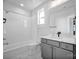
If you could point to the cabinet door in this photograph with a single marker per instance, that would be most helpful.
(54, 53)
(46, 51)
(63, 54)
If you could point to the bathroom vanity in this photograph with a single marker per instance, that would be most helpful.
(54, 48)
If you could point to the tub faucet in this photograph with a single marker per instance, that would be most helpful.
(5, 43)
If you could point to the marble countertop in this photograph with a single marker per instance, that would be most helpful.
(62, 38)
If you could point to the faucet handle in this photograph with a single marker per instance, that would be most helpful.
(4, 38)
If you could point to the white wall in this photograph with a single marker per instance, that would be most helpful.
(17, 28)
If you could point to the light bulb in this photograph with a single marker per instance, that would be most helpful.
(21, 4)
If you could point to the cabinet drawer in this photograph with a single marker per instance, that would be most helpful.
(66, 46)
(54, 43)
(43, 40)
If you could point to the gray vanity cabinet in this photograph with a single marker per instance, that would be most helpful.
(63, 54)
(56, 50)
(46, 51)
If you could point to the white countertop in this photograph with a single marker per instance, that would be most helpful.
(62, 38)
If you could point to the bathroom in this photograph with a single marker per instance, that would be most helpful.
(39, 29)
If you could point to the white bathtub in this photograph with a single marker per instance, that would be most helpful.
(22, 51)
(10, 47)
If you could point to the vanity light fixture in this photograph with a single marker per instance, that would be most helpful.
(56, 3)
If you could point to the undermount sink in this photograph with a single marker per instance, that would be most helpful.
(55, 36)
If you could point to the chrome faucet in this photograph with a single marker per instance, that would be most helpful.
(58, 34)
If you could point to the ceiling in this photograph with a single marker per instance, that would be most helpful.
(28, 4)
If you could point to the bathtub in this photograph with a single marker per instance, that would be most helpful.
(22, 51)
